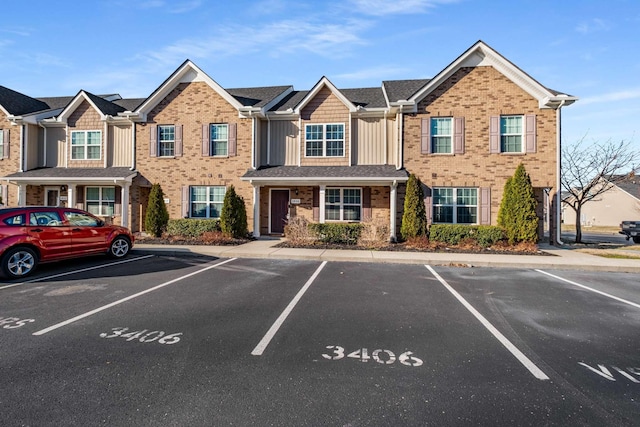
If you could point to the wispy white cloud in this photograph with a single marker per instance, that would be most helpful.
(622, 95)
(18, 31)
(593, 26)
(374, 73)
(325, 39)
(387, 7)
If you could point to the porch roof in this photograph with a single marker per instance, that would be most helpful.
(71, 175)
(301, 175)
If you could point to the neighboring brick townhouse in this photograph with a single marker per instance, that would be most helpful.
(326, 154)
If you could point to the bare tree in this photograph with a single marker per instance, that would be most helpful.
(588, 171)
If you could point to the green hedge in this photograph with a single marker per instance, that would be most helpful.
(452, 234)
(191, 227)
(339, 233)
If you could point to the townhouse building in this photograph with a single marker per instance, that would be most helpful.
(326, 154)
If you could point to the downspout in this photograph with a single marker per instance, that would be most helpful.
(299, 140)
(66, 146)
(133, 144)
(386, 137)
(253, 139)
(268, 140)
(106, 139)
(44, 163)
(22, 147)
(350, 139)
(400, 138)
(558, 173)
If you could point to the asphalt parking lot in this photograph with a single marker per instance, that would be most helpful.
(202, 341)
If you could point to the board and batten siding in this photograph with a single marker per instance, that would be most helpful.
(371, 146)
(119, 145)
(284, 144)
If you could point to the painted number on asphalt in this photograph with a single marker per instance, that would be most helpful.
(13, 322)
(144, 335)
(384, 357)
(629, 374)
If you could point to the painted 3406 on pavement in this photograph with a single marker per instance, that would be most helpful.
(37, 234)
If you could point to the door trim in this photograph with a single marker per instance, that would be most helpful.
(46, 191)
(270, 198)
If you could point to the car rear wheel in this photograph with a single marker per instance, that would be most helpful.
(120, 247)
(636, 239)
(19, 262)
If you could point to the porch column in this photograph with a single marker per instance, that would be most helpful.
(71, 191)
(22, 195)
(393, 200)
(256, 211)
(322, 203)
(124, 200)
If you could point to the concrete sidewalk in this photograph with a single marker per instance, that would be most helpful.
(561, 258)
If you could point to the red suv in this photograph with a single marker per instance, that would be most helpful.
(31, 235)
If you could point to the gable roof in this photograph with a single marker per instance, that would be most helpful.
(185, 73)
(322, 83)
(101, 105)
(481, 54)
(15, 103)
(399, 90)
(259, 97)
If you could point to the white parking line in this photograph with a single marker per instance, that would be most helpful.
(633, 304)
(97, 310)
(537, 372)
(264, 342)
(40, 279)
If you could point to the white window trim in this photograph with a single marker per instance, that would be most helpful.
(208, 202)
(159, 148)
(450, 135)
(521, 134)
(342, 204)
(325, 140)
(101, 200)
(85, 145)
(211, 140)
(454, 205)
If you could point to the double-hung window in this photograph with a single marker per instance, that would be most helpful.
(166, 140)
(206, 202)
(455, 205)
(219, 137)
(324, 140)
(86, 144)
(100, 200)
(343, 204)
(441, 135)
(511, 134)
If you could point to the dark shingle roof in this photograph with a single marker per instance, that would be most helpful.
(257, 96)
(56, 102)
(630, 184)
(106, 107)
(17, 104)
(398, 90)
(290, 101)
(346, 172)
(129, 104)
(62, 173)
(369, 97)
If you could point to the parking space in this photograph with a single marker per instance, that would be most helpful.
(174, 341)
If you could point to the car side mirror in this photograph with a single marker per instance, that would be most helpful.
(100, 223)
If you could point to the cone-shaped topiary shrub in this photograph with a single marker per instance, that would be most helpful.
(517, 213)
(414, 217)
(233, 218)
(157, 217)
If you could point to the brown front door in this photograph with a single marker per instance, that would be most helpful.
(279, 210)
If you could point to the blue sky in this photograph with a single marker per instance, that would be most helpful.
(585, 48)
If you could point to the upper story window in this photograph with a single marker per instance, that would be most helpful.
(166, 140)
(343, 204)
(441, 135)
(206, 202)
(86, 144)
(511, 134)
(100, 200)
(219, 137)
(455, 205)
(324, 140)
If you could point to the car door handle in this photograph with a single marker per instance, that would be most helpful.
(76, 229)
(37, 230)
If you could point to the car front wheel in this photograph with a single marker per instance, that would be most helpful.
(120, 247)
(636, 239)
(19, 262)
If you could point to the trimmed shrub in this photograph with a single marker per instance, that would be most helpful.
(191, 227)
(233, 218)
(414, 217)
(517, 213)
(374, 233)
(453, 234)
(297, 230)
(338, 233)
(157, 216)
